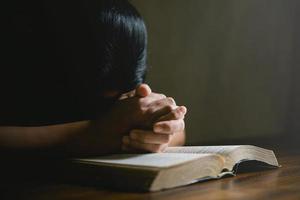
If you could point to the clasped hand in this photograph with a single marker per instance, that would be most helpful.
(156, 121)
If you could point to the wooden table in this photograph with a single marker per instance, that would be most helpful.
(283, 183)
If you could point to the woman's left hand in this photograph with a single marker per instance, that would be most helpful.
(168, 130)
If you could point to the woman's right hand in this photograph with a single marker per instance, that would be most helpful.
(137, 109)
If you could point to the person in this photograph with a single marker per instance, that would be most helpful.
(74, 82)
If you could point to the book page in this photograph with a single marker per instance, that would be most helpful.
(232, 154)
(157, 160)
(223, 150)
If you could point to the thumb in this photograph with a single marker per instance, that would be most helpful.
(143, 90)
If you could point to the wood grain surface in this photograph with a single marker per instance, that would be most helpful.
(282, 183)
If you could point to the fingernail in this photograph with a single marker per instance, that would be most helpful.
(157, 128)
(183, 109)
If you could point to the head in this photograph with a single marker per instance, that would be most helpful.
(121, 46)
(105, 46)
(109, 47)
(85, 49)
(67, 59)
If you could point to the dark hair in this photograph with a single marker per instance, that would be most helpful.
(105, 48)
(123, 45)
(107, 42)
(61, 55)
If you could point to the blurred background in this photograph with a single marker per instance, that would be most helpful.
(234, 64)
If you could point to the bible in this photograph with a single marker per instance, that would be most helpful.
(176, 166)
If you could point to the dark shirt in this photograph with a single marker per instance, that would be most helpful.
(39, 78)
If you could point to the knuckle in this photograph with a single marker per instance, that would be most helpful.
(171, 100)
(162, 96)
(169, 108)
(135, 136)
(167, 127)
(158, 102)
(176, 114)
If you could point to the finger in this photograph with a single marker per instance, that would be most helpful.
(149, 137)
(135, 145)
(161, 107)
(147, 101)
(144, 146)
(143, 90)
(127, 95)
(164, 102)
(175, 114)
(154, 97)
(125, 147)
(169, 127)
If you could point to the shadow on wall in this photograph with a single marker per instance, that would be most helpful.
(234, 64)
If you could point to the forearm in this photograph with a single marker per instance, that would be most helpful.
(76, 138)
(17, 137)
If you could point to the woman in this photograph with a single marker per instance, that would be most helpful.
(74, 78)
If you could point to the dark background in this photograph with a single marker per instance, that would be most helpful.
(234, 64)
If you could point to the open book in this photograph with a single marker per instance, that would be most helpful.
(176, 166)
